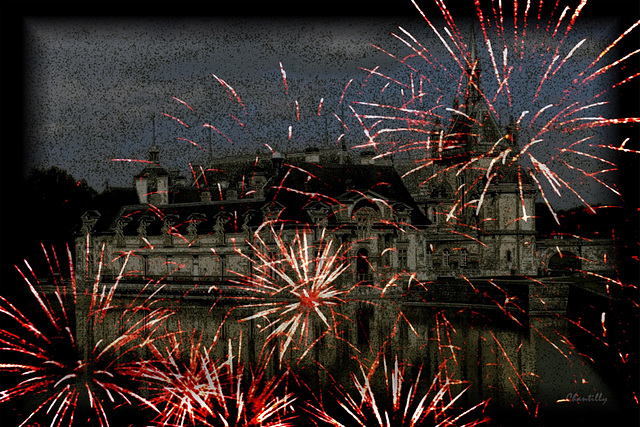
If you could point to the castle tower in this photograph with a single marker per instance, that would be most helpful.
(152, 183)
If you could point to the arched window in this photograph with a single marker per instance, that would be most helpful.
(152, 184)
(564, 262)
(508, 256)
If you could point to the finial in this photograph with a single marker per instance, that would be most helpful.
(154, 150)
(473, 54)
(210, 146)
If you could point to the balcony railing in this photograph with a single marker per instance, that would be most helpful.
(181, 279)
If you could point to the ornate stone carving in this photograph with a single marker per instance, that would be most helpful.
(364, 221)
(246, 230)
(218, 230)
(167, 230)
(118, 228)
(192, 232)
(89, 219)
(145, 220)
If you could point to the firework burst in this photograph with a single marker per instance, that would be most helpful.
(299, 282)
(196, 389)
(66, 386)
(402, 401)
(538, 81)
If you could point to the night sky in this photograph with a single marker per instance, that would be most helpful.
(98, 88)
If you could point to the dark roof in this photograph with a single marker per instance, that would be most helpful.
(109, 202)
(297, 185)
(153, 169)
(290, 188)
(234, 213)
(233, 172)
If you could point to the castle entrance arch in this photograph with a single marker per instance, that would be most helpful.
(564, 262)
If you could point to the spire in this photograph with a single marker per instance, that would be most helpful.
(512, 132)
(326, 132)
(154, 150)
(210, 146)
(473, 72)
(473, 54)
(154, 154)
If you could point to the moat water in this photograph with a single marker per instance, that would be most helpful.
(533, 370)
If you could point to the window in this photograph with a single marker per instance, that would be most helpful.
(271, 272)
(152, 184)
(362, 264)
(364, 328)
(428, 252)
(464, 255)
(461, 190)
(145, 264)
(445, 258)
(196, 266)
(402, 258)
(169, 264)
(387, 250)
(508, 256)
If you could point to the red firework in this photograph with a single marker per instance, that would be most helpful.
(63, 384)
(402, 401)
(535, 75)
(195, 389)
(297, 280)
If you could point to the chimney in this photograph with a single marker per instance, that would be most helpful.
(312, 155)
(277, 160)
(366, 157)
(205, 196)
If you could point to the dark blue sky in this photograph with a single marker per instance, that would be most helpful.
(94, 87)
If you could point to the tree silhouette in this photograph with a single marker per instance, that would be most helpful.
(46, 211)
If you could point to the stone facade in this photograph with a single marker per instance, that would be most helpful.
(465, 210)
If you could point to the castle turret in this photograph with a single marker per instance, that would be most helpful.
(152, 183)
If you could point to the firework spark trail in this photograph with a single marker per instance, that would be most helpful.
(183, 103)
(53, 372)
(132, 161)
(210, 126)
(518, 374)
(192, 143)
(284, 81)
(176, 119)
(232, 92)
(198, 389)
(305, 281)
(401, 402)
(554, 67)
